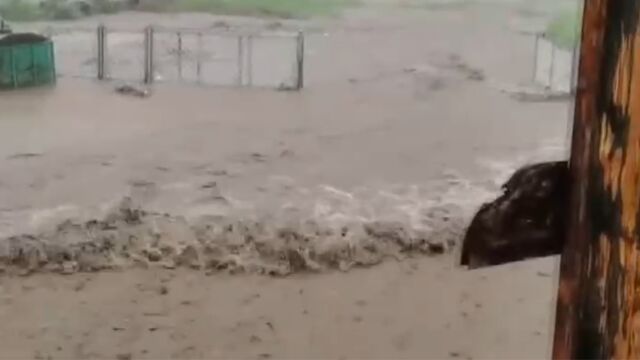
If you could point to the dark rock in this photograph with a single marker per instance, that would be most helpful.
(526, 221)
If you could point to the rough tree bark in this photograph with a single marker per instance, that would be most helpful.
(598, 314)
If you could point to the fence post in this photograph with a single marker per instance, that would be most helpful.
(575, 62)
(199, 59)
(48, 32)
(250, 60)
(148, 55)
(598, 303)
(102, 49)
(300, 61)
(240, 60)
(536, 47)
(553, 63)
(179, 34)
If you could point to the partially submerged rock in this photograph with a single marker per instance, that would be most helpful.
(526, 221)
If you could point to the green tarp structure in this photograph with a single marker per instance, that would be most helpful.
(26, 60)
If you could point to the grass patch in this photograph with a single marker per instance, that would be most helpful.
(564, 29)
(20, 10)
(436, 5)
(30, 10)
(272, 8)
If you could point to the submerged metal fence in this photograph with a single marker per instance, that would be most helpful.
(161, 54)
(555, 67)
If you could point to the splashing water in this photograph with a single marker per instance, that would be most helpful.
(278, 233)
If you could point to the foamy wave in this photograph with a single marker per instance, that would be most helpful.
(285, 229)
(310, 230)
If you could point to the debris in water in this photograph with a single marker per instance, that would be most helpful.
(284, 87)
(270, 326)
(541, 96)
(210, 185)
(220, 24)
(219, 172)
(534, 93)
(254, 339)
(133, 90)
(475, 75)
(80, 285)
(19, 156)
(69, 267)
(274, 25)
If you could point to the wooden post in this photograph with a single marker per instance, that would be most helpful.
(598, 314)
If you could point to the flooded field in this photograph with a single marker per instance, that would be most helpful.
(408, 122)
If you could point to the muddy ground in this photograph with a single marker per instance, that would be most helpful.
(405, 122)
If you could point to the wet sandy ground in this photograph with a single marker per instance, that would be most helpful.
(417, 309)
(394, 118)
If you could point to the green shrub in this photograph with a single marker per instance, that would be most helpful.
(59, 10)
(564, 29)
(28, 10)
(20, 10)
(275, 8)
(107, 6)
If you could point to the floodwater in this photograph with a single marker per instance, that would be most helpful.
(404, 115)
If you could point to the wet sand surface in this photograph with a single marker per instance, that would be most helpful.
(417, 309)
(395, 125)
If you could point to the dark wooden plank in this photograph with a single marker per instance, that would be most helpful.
(598, 313)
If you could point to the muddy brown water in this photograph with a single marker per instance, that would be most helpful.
(390, 127)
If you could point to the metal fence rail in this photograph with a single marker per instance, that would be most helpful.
(162, 54)
(554, 67)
